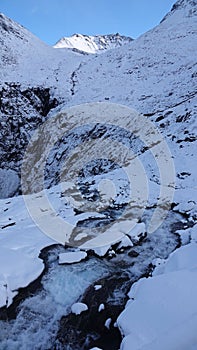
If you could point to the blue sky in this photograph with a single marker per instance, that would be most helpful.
(52, 19)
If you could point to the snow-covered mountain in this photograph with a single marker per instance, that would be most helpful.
(155, 74)
(93, 44)
(34, 78)
(25, 59)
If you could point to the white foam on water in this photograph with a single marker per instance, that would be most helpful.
(37, 322)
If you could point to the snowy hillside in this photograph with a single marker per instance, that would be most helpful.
(155, 75)
(93, 44)
(34, 79)
(152, 73)
(26, 59)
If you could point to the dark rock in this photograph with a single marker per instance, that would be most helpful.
(133, 254)
(88, 329)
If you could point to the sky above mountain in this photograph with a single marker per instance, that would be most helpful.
(52, 19)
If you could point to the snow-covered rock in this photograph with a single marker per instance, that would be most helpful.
(108, 323)
(101, 307)
(78, 308)
(9, 183)
(97, 286)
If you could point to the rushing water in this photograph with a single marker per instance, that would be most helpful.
(38, 316)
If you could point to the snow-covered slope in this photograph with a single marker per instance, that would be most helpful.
(93, 44)
(156, 75)
(152, 73)
(27, 60)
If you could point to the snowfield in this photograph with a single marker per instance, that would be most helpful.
(154, 74)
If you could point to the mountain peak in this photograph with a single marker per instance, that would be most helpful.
(93, 44)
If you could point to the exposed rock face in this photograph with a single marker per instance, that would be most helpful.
(21, 111)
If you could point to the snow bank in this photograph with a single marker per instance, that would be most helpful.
(20, 245)
(17, 268)
(162, 310)
(72, 257)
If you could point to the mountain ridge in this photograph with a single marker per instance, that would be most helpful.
(188, 6)
(93, 44)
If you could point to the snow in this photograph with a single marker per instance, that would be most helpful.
(101, 307)
(188, 234)
(183, 258)
(162, 309)
(97, 286)
(107, 323)
(9, 182)
(78, 308)
(72, 257)
(20, 246)
(193, 233)
(125, 242)
(93, 44)
(138, 231)
(24, 59)
(17, 261)
(157, 82)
